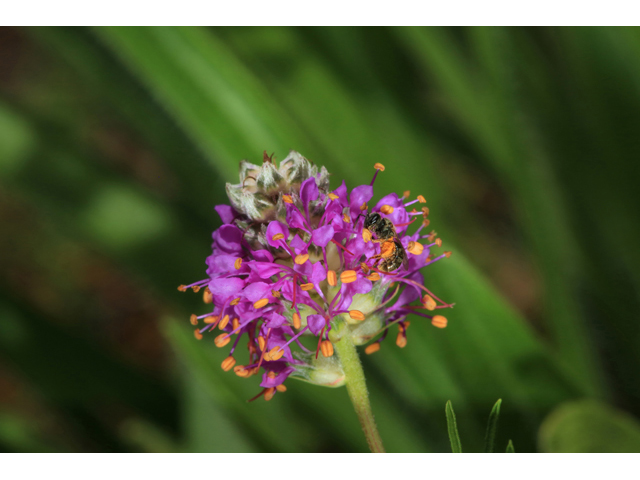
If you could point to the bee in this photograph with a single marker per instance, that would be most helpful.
(392, 252)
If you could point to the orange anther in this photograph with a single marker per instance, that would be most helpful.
(238, 263)
(373, 348)
(326, 347)
(211, 319)
(197, 334)
(300, 259)
(306, 286)
(386, 209)
(364, 267)
(333, 196)
(346, 218)
(206, 296)
(182, 288)
(277, 236)
(296, 321)
(235, 323)
(415, 247)
(235, 301)
(425, 211)
(228, 363)
(428, 259)
(332, 278)
(374, 277)
(261, 303)
(221, 340)
(269, 393)
(401, 340)
(438, 242)
(275, 353)
(356, 315)
(276, 294)
(379, 166)
(224, 322)
(241, 371)
(196, 289)
(421, 199)
(406, 194)
(348, 276)
(447, 254)
(426, 222)
(287, 199)
(261, 342)
(439, 321)
(366, 235)
(281, 388)
(193, 319)
(363, 207)
(272, 374)
(428, 302)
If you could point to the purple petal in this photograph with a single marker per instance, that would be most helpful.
(226, 287)
(295, 218)
(256, 291)
(360, 195)
(226, 212)
(275, 228)
(322, 236)
(228, 239)
(308, 191)
(263, 256)
(299, 245)
(318, 274)
(264, 269)
(316, 323)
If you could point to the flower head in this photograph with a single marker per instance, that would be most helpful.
(294, 258)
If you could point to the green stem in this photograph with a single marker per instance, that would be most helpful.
(357, 388)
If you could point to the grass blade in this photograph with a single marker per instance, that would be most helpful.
(456, 446)
(492, 426)
(510, 448)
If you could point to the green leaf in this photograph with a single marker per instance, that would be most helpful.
(510, 448)
(587, 426)
(454, 437)
(492, 426)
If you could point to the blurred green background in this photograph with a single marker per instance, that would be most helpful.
(116, 143)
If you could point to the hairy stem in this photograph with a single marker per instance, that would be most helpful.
(357, 389)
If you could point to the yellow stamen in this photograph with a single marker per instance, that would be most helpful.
(426, 222)
(277, 236)
(197, 334)
(238, 263)
(193, 319)
(364, 268)
(366, 235)
(241, 371)
(333, 196)
(235, 323)
(272, 375)
(374, 277)
(356, 315)
(406, 194)
(438, 242)
(421, 199)
(332, 278)
(346, 218)
(363, 207)
(373, 348)
(211, 319)
(275, 353)
(224, 322)
(276, 293)
(261, 303)
(261, 342)
(221, 340)
(386, 209)
(401, 340)
(296, 321)
(182, 288)
(439, 321)
(447, 254)
(196, 289)
(379, 166)
(348, 276)
(228, 363)
(428, 259)
(415, 247)
(425, 211)
(281, 388)
(428, 302)
(269, 393)
(306, 286)
(287, 199)
(300, 259)
(326, 347)
(206, 296)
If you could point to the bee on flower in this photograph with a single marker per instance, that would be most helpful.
(294, 258)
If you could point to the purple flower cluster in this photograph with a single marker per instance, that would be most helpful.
(309, 267)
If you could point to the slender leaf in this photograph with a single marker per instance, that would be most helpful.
(454, 437)
(510, 448)
(492, 426)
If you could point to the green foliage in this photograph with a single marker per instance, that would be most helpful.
(452, 426)
(492, 426)
(589, 426)
(116, 143)
(510, 448)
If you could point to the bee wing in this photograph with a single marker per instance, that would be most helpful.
(405, 261)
